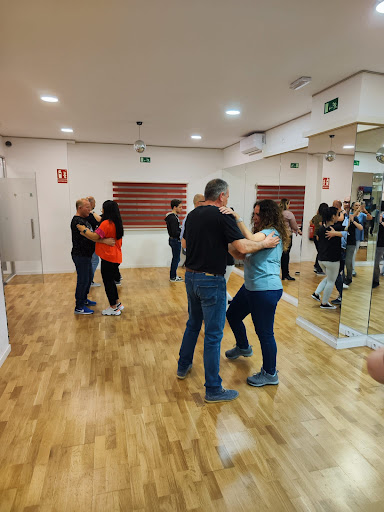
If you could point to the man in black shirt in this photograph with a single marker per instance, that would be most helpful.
(82, 250)
(174, 230)
(379, 253)
(353, 223)
(206, 238)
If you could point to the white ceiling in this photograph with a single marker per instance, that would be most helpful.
(175, 65)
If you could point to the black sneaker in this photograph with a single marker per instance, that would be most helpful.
(336, 302)
(315, 296)
(320, 273)
(288, 278)
(327, 306)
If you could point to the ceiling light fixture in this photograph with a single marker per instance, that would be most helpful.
(139, 146)
(197, 137)
(380, 7)
(67, 130)
(331, 155)
(233, 112)
(300, 82)
(49, 99)
(348, 147)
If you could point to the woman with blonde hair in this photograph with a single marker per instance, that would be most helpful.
(292, 227)
(261, 291)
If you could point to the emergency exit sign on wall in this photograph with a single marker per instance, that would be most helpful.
(294, 166)
(356, 162)
(330, 106)
(145, 159)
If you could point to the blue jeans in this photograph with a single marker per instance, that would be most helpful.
(207, 298)
(262, 306)
(176, 248)
(84, 278)
(94, 261)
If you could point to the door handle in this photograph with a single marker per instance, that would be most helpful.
(32, 229)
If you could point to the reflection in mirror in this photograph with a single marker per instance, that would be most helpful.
(366, 193)
(277, 177)
(329, 182)
(368, 160)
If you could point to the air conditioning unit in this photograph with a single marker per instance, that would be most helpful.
(252, 144)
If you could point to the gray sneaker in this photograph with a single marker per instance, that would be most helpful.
(181, 374)
(224, 395)
(263, 379)
(236, 352)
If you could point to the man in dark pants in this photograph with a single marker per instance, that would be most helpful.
(82, 250)
(174, 230)
(206, 238)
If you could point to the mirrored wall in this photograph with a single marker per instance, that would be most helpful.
(278, 177)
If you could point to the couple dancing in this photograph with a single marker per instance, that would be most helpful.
(210, 231)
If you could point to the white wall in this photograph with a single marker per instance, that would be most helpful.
(282, 139)
(91, 170)
(368, 163)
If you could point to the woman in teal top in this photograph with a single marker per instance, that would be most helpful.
(261, 291)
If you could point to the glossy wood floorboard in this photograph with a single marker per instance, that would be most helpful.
(92, 417)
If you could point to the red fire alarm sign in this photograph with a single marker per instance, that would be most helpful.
(326, 183)
(62, 176)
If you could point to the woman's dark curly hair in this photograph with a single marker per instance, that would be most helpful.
(271, 217)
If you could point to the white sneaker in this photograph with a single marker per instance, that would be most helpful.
(176, 280)
(120, 306)
(345, 286)
(111, 312)
(95, 285)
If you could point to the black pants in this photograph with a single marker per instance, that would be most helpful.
(340, 277)
(110, 274)
(285, 261)
(316, 265)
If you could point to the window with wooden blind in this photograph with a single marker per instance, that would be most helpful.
(295, 193)
(144, 205)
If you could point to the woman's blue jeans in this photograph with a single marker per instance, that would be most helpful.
(207, 300)
(262, 306)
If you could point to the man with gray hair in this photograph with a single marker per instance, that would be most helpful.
(206, 237)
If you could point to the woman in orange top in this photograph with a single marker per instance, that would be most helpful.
(111, 257)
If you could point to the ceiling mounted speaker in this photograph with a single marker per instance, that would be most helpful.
(380, 155)
(139, 146)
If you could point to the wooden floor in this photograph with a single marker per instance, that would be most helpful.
(93, 418)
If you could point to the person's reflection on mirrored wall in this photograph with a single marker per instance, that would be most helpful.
(379, 251)
(329, 247)
(292, 227)
(317, 222)
(363, 216)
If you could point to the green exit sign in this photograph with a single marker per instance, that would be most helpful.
(145, 159)
(294, 166)
(331, 105)
(356, 162)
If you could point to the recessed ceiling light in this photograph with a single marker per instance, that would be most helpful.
(232, 112)
(380, 8)
(49, 99)
(67, 130)
(300, 82)
(197, 137)
(348, 147)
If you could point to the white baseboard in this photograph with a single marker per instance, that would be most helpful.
(348, 331)
(5, 353)
(317, 331)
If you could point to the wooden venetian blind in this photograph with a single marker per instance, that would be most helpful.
(144, 205)
(295, 193)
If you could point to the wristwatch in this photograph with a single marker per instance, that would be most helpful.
(85, 230)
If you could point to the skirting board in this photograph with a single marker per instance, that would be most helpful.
(286, 297)
(329, 339)
(4, 355)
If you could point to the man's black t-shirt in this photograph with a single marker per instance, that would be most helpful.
(92, 221)
(351, 238)
(329, 249)
(380, 237)
(81, 246)
(208, 233)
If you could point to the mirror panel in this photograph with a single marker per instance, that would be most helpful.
(326, 182)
